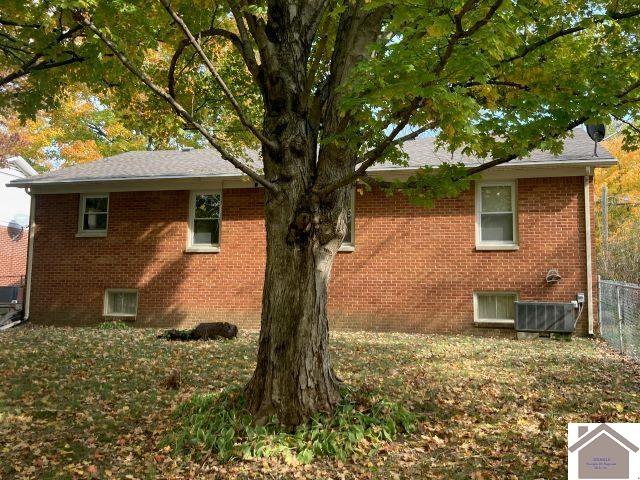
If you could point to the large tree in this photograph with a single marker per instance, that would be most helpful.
(81, 128)
(325, 89)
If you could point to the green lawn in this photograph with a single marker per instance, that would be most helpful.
(88, 403)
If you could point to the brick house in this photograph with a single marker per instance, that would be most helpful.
(14, 221)
(174, 238)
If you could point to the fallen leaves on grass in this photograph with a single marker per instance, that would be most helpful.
(88, 403)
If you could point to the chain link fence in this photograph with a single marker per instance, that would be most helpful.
(620, 316)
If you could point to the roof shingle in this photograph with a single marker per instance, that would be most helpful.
(137, 165)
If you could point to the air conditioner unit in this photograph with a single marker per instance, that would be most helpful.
(545, 317)
(9, 295)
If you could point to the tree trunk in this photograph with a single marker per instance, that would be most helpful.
(293, 378)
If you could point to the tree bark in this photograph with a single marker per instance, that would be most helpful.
(293, 378)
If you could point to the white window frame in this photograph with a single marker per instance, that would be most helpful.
(476, 307)
(351, 246)
(497, 245)
(81, 207)
(196, 248)
(105, 309)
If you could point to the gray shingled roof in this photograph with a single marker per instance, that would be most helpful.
(139, 165)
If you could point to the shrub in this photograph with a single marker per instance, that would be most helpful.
(113, 325)
(620, 260)
(361, 423)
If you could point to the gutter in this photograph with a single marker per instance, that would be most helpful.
(24, 183)
(27, 182)
(587, 226)
(22, 165)
(514, 164)
(27, 297)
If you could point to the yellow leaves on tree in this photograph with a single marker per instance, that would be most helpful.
(622, 182)
(81, 151)
(623, 179)
(80, 130)
(619, 257)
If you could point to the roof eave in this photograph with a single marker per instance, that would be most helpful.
(26, 183)
(600, 162)
(29, 182)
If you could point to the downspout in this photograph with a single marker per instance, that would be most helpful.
(587, 226)
(27, 298)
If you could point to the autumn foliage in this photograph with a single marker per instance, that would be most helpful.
(80, 130)
(619, 254)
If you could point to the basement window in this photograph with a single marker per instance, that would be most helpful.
(121, 303)
(495, 307)
(205, 213)
(349, 240)
(496, 216)
(93, 215)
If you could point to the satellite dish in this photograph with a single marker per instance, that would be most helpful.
(15, 231)
(596, 132)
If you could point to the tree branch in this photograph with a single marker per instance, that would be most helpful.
(179, 109)
(211, 32)
(249, 54)
(10, 23)
(376, 153)
(461, 33)
(239, 19)
(32, 64)
(257, 133)
(361, 171)
(499, 161)
(629, 89)
(628, 123)
(570, 31)
(255, 25)
(485, 166)
(497, 83)
(11, 50)
(317, 59)
(358, 28)
(412, 135)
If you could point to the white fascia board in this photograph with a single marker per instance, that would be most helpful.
(22, 165)
(600, 162)
(180, 183)
(26, 182)
(537, 171)
(235, 180)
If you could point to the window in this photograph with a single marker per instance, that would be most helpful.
(204, 222)
(349, 240)
(496, 219)
(94, 215)
(121, 303)
(495, 307)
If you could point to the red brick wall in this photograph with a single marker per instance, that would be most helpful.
(414, 269)
(13, 256)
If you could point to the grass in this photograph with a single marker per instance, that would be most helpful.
(90, 403)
